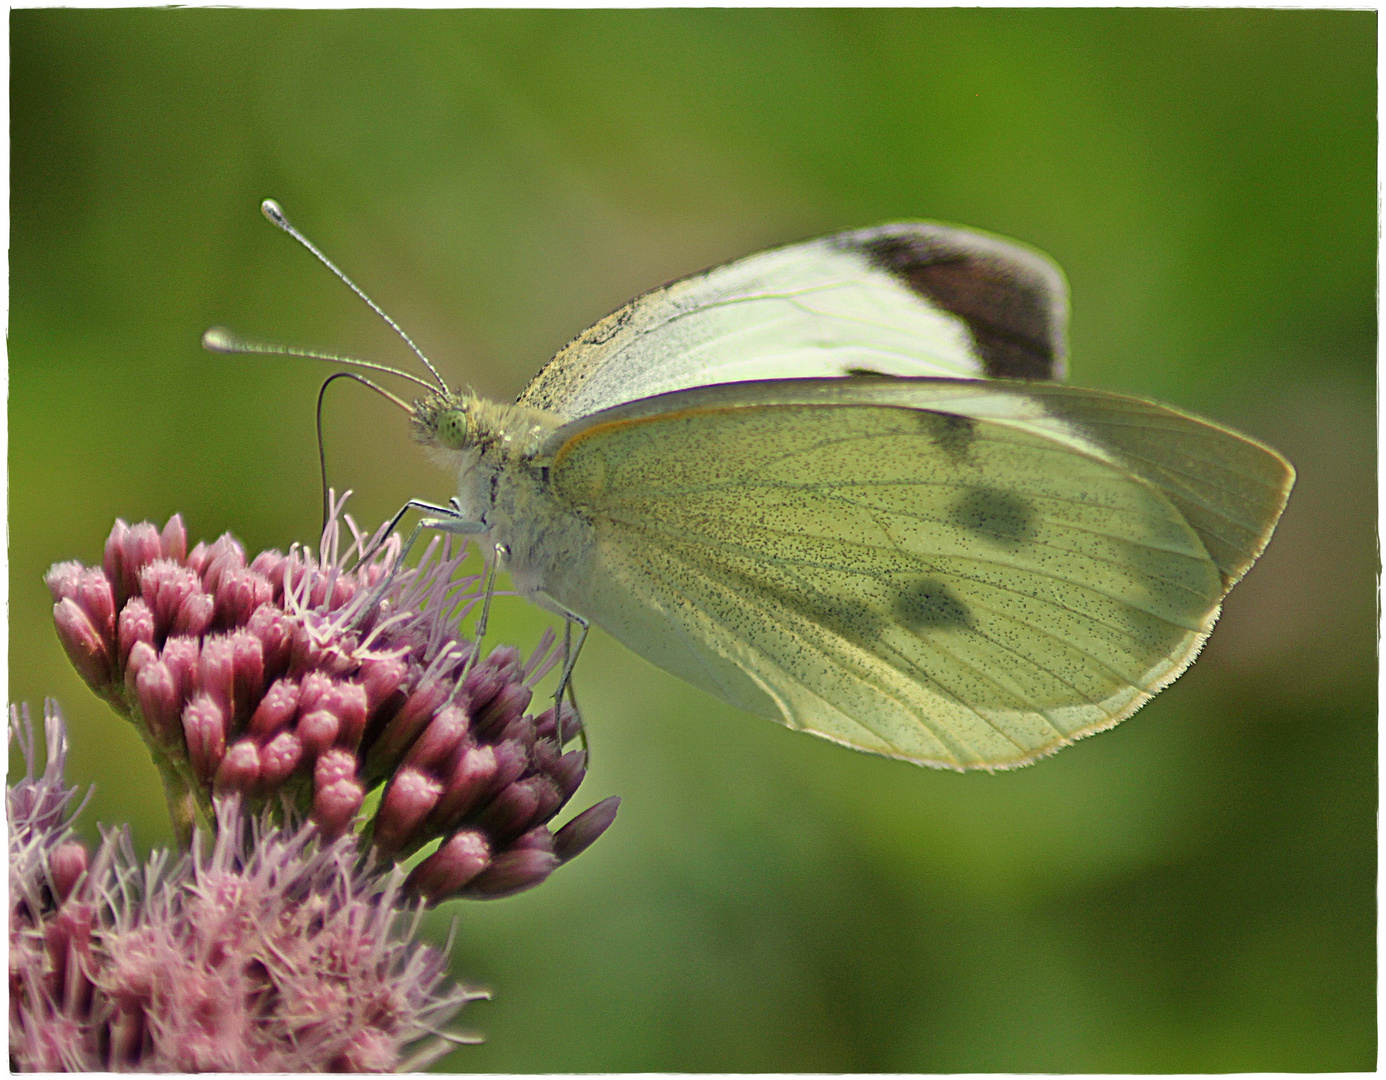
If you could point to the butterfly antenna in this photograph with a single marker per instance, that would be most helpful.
(221, 340)
(322, 453)
(275, 213)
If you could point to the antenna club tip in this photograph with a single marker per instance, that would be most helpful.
(274, 212)
(218, 339)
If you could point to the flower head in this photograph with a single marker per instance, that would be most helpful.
(272, 950)
(319, 678)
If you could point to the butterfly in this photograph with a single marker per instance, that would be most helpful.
(840, 485)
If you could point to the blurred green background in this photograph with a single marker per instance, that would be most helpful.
(1193, 891)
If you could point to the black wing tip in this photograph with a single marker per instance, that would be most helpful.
(1013, 298)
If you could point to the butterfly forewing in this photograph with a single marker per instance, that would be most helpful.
(932, 586)
(912, 298)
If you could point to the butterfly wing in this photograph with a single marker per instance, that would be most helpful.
(913, 298)
(957, 573)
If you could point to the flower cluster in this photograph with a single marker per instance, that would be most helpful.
(312, 680)
(275, 951)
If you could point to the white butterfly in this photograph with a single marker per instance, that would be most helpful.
(835, 484)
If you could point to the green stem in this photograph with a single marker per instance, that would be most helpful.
(185, 808)
(182, 804)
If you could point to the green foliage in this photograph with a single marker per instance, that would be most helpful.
(1193, 891)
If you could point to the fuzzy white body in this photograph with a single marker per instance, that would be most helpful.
(502, 485)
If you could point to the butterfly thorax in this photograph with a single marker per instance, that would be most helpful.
(493, 449)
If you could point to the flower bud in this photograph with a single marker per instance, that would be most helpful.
(141, 547)
(161, 704)
(399, 734)
(544, 755)
(538, 838)
(511, 811)
(115, 544)
(505, 660)
(582, 832)
(173, 541)
(62, 579)
(238, 594)
(247, 673)
(197, 558)
(181, 655)
(204, 729)
(511, 872)
(519, 730)
(276, 709)
(93, 595)
(440, 741)
(568, 772)
(239, 769)
(381, 678)
(506, 707)
(511, 762)
(136, 624)
(334, 766)
(346, 701)
(225, 554)
(276, 634)
(67, 938)
(83, 644)
(550, 799)
(194, 614)
(486, 679)
(278, 759)
(215, 671)
(66, 864)
(128, 551)
(270, 565)
(317, 731)
(457, 861)
(164, 586)
(337, 794)
(312, 688)
(142, 655)
(545, 727)
(471, 778)
(410, 797)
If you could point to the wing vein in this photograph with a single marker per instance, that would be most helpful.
(654, 525)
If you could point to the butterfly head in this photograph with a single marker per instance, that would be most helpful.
(454, 422)
(447, 421)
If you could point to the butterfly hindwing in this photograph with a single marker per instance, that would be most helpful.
(937, 584)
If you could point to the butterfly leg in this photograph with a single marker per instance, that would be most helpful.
(449, 520)
(485, 616)
(443, 518)
(565, 680)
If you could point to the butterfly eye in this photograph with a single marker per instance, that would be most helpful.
(454, 429)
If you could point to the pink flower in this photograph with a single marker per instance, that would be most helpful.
(318, 679)
(272, 950)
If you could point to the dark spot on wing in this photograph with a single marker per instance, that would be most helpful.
(853, 620)
(952, 434)
(928, 604)
(848, 618)
(996, 515)
(1013, 302)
